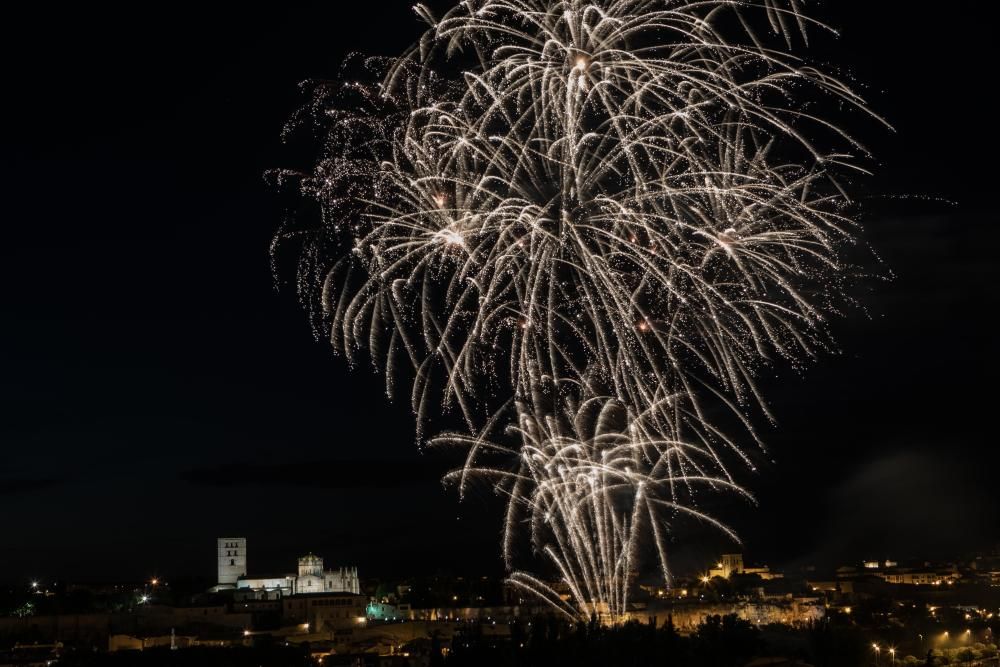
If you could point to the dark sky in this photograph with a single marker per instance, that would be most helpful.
(156, 391)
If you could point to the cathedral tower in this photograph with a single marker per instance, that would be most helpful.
(232, 559)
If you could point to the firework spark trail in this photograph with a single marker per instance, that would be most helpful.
(590, 482)
(624, 195)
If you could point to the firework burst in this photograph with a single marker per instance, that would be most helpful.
(550, 201)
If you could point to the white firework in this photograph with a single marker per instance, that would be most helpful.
(630, 196)
(595, 483)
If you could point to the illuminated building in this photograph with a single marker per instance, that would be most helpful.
(730, 564)
(920, 577)
(232, 559)
(311, 577)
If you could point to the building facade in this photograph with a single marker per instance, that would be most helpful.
(232, 560)
(322, 612)
(728, 565)
(311, 577)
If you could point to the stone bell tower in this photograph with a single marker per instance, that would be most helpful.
(232, 559)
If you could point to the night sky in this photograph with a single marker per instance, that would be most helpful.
(157, 390)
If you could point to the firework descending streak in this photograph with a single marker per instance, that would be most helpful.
(585, 226)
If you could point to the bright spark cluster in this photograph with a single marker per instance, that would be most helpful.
(586, 225)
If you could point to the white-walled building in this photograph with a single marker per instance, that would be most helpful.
(314, 579)
(232, 559)
(310, 578)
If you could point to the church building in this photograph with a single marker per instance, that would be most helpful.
(310, 578)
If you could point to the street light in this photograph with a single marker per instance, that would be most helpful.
(892, 652)
(878, 651)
